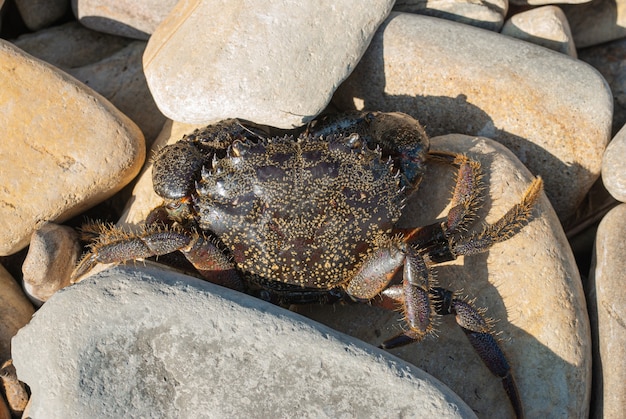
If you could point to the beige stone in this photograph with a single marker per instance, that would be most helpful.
(546, 26)
(133, 19)
(15, 312)
(530, 284)
(271, 62)
(552, 111)
(483, 14)
(52, 255)
(544, 2)
(65, 148)
(614, 168)
(607, 310)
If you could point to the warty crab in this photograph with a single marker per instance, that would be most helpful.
(312, 217)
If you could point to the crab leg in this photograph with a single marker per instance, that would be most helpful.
(115, 246)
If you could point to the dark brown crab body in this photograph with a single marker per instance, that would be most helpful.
(294, 218)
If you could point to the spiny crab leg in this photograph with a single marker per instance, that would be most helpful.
(474, 324)
(115, 246)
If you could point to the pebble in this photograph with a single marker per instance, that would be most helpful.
(546, 26)
(609, 59)
(483, 14)
(607, 310)
(278, 67)
(127, 18)
(530, 284)
(552, 111)
(525, 3)
(54, 164)
(596, 21)
(13, 391)
(15, 312)
(52, 255)
(613, 170)
(114, 69)
(144, 342)
(38, 14)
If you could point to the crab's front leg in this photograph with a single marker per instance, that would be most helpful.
(116, 246)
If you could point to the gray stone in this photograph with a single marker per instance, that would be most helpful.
(483, 14)
(546, 26)
(544, 2)
(610, 60)
(552, 111)
(265, 61)
(607, 310)
(65, 148)
(143, 342)
(38, 14)
(596, 22)
(52, 255)
(614, 168)
(133, 19)
(529, 284)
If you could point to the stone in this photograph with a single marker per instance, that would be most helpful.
(554, 112)
(118, 75)
(614, 168)
(596, 21)
(264, 61)
(13, 390)
(38, 14)
(15, 312)
(52, 255)
(546, 26)
(146, 342)
(525, 3)
(143, 198)
(65, 148)
(607, 310)
(131, 19)
(483, 14)
(609, 60)
(529, 284)
(70, 45)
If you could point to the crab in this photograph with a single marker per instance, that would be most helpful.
(311, 217)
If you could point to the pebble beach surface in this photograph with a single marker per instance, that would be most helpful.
(91, 90)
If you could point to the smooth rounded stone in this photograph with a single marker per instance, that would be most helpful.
(546, 26)
(70, 45)
(613, 167)
(529, 284)
(609, 59)
(554, 112)
(52, 255)
(596, 22)
(144, 199)
(146, 342)
(15, 312)
(607, 310)
(117, 74)
(483, 14)
(132, 19)
(545, 2)
(38, 14)
(65, 148)
(271, 62)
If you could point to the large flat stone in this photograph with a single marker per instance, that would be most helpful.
(143, 342)
(552, 111)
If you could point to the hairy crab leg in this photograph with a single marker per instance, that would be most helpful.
(477, 329)
(115, 246)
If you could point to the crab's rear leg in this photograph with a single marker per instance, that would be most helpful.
(116, 246)
(476, 327)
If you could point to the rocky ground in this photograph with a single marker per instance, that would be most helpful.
(90, 91)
